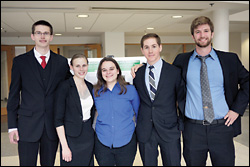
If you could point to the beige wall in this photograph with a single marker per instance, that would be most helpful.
(245, 50)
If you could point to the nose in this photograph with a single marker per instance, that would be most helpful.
(42, 35)
(201, 34)
(150, 49)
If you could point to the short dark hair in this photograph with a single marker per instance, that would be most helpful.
(78, 55)
(42, 22)
(200, 21)
(151, 35)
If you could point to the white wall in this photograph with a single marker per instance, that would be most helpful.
(245, 50)
(235, 43)
(113, 44)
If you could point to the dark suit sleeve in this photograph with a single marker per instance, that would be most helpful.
(242, 98)
(180, 100)
(60, 103)
(14, 95)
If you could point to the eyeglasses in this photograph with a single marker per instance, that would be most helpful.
(38, 33)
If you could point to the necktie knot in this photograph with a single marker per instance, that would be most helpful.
(43, 64)
(151, 67)
(43, 57)
(203, 58)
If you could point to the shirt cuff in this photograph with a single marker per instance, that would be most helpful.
(11, 130)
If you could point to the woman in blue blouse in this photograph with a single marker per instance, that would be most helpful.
(117, 105)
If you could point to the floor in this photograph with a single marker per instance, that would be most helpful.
(9, 155)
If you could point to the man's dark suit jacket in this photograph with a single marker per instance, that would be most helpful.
(162, 112)
(30, 106)
(234, 74)
(68, 110)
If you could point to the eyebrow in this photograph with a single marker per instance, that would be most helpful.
(109, 67)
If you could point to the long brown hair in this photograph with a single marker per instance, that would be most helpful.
(101, 82)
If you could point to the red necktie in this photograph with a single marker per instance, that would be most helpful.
(43, 64)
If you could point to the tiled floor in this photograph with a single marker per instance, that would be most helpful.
(9, 156)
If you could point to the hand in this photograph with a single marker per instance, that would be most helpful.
(134, 69)
(231, 117)
(14, 137)
(66, 154)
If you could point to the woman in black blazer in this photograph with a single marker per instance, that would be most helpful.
(74, 109)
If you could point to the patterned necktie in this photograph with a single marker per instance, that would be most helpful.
(152, 83)
(205, 91)
(43, 64)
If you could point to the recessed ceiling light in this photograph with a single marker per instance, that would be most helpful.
(82, 15)
(176, 17)
(78, 28)
(150, 28)
(1, 28)
(58, 34)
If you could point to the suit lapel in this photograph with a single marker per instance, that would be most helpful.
(53, 70)
(142, 79)
(185, 66)
(75, 95)
(33, 64)
(224, 67)
(163, 77)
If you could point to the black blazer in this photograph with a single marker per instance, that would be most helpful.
(163, 111)
(68, 110)
(30, 106)
(234, 74)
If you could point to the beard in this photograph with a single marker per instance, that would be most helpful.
(203, 45)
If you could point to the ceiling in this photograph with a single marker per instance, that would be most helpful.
(131, 17)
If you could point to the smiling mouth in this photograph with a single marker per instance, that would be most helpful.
(109, 76)
(43, 41)
(82, 73)
(203, 39)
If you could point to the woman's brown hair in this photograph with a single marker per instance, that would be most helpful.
(78, 55)
(101, 82)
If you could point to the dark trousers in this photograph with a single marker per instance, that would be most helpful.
(217, 139)
(170, 151)
(47, 149)
(122, 156)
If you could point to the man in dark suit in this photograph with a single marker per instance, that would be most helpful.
(158, 122)
(31, 98)
(225, 73)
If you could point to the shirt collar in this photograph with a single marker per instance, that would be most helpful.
(37, 54)
(117, 85)
(157, 65)
(212, 54)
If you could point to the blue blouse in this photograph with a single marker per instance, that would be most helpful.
(117, 114)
